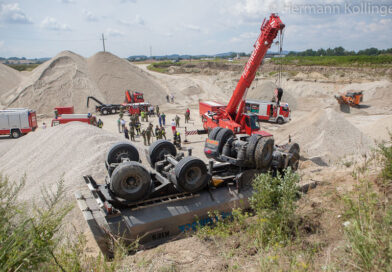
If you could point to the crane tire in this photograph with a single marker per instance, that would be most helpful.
(122, 150)
(250, 149)
(191, 175)
(263, 153)
(213, 133)
(131, 181)
(223, 135)
(113, 111)
(158, 150)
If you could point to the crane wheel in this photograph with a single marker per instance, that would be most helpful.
(191, 175)
(159, 149)
(113, 111)
(131, 181)
(294, 150)
(263, 153)
(214, 132)
(223, 135)
(250, 149)
(120, 151)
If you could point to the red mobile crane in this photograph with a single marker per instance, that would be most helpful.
(232, 116)
(256, 149)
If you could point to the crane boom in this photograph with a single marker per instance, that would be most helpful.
(269, 31)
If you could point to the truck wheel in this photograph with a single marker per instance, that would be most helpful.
(250, 149)
(294, 160)
(122, 150)
(263, 153)
(159, 149)
(280, 120)
(214, 132)
(131, 181)
(15, 133)
(113, 111)
(105, 111)
(223, 135)
(191, 175)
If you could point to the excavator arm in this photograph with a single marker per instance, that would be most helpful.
(93, 98)
(269, 31)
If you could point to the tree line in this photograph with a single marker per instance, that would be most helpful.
(340, 51)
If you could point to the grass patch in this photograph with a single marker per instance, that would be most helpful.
(343, 61)
(368, 218)
(162, 66)
(24, 67)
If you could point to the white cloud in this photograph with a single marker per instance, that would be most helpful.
(67, 1)
(51, 23)
(128, 1)
(112, 32)
(245, 36)
(138, 20)
(1, 43)
(89, 16)
(11, 13)
(193, 28)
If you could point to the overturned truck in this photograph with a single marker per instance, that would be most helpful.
(175, 194)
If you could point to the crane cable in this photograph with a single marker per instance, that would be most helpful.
(281, 34)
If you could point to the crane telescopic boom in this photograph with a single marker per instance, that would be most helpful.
(269, 31)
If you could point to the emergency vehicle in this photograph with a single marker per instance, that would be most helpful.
(269, 111)
(17, 122)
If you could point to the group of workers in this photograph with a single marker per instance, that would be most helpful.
(150, 132)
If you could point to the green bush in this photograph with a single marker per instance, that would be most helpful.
(274, 201)
(28, 236)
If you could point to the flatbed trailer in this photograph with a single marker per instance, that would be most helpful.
(157, 220)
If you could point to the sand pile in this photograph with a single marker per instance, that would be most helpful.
(67, 79)
(71, 150)
(264, 90)
(9, 78)
(114, 75)
(326, 134)
(61, 81)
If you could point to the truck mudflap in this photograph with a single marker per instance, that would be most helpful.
(155, 221)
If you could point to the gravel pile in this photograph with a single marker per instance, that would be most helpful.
(68, 78)
(326, 134)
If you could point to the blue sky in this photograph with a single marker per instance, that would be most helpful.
(43, 28)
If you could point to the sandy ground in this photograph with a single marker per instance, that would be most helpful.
(326, 136)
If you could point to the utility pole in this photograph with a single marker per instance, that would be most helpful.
(150, 51)
(103, 42)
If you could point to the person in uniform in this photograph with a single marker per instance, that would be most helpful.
(148, 134)
(163, 133)
(132, 133)
(158, 133)
(177, 121)
(144, 136)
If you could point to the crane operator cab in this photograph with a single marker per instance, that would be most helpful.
(251, 123)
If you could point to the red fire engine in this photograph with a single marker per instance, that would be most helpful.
(17, 122)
